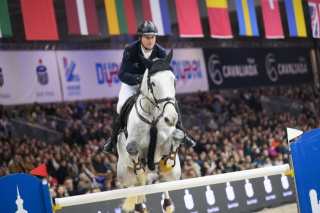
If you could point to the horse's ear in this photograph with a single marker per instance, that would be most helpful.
(147, 63)
(168, 58)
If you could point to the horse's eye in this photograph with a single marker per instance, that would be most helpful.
(153, 84)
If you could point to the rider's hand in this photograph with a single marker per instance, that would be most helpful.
(139, 79)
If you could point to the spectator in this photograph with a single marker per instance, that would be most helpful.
(70, 189)
(61, 191)
(15, 165)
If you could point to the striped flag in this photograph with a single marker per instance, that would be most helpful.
(295, 16)
(271, 19)
(219, 20)
(82, 17)
(5, 24)
(247, 18)
(188, 18)
(121, 17)
(39, 19)
(314, 7)
(157, 12)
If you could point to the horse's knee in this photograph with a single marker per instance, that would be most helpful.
(178, 134)
(133, 148)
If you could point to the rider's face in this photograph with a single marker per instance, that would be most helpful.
(148, 41)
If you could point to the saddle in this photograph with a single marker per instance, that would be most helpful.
(124, 113)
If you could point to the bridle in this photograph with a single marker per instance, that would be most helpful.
(155, 102)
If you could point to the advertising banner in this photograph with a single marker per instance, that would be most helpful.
(234, 68)
(190, 71)
(238, 196)
(89, 74)
(28, 77)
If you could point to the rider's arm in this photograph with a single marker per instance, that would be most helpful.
(126, 69)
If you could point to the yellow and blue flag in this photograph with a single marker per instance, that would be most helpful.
(295, 16)
(247, 18)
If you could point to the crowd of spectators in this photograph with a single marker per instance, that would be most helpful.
(240, 134)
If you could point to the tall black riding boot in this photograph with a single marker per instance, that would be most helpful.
(188, 142)
(111, 143)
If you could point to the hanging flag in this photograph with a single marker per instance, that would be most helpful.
(120, 16)
(82, 17)
(219, 20)
(295, 16)
(40, 171)
(5, 24)
(271, 19)
(157, 12)
(247, 18)
(188, 18)
(39, 20)
(314, 6)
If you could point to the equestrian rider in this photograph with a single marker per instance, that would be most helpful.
(131, 74)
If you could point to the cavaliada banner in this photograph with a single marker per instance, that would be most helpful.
(234, 68)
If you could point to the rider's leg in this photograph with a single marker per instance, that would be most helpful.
(126, 91)
(188, 142)
(110, 144)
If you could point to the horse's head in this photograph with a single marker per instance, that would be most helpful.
(159, 86)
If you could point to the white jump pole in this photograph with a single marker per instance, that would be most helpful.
(172, 185)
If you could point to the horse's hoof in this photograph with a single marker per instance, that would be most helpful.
(168, 206)
(177, 134)
(138, 208)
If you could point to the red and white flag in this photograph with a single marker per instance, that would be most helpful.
(82, 17)
(39, 19)
(271, 19)
(188, 18)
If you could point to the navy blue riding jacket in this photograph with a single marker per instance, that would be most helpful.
(132, 66)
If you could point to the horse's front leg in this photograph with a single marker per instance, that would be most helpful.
(138, 165)
(168, 162)
(166, 203)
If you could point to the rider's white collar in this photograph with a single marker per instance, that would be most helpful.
(146, 54)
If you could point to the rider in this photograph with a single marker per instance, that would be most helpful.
(131, 74)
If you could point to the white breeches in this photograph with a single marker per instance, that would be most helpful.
(126, 91)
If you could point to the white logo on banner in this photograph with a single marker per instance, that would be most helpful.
(210, 196)
(284, 181)
(214, 71)
(230, 193)
(315, 206)
(19, 203)
(249, 188)
(271, 67)
(188, 200)
(267, 184)
(218, 73)
(274, 69)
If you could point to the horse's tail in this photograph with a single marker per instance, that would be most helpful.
(129, 202)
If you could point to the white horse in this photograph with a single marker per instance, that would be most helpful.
(152, 139)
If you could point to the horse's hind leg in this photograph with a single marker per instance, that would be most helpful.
(167, 206)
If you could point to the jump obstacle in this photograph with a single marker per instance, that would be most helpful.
(171, 186)
(305, 169)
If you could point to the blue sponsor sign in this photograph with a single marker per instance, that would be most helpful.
(306, 158)
(23, 193)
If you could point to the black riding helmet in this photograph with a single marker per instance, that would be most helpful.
(147, 28)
